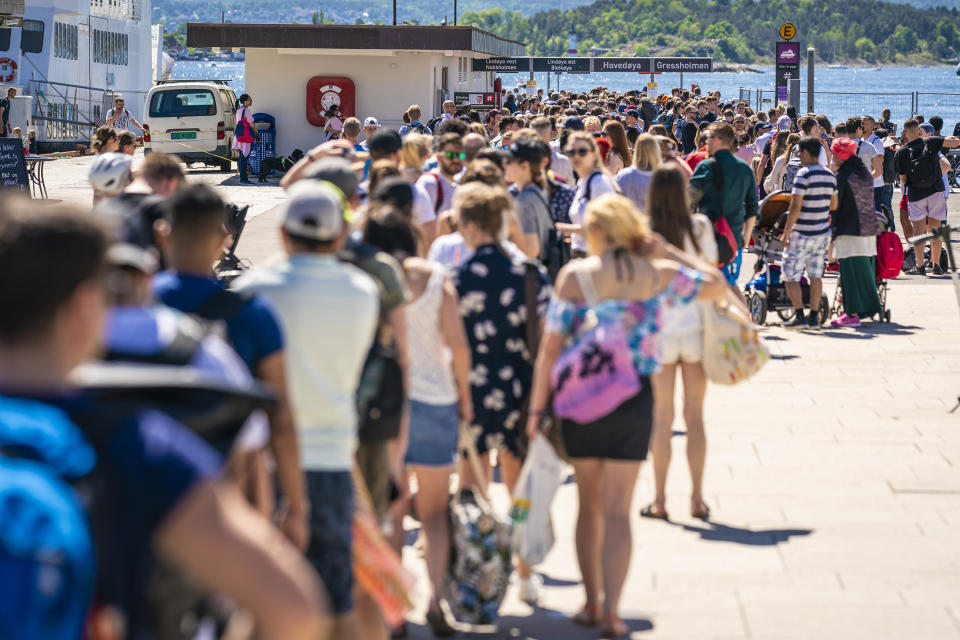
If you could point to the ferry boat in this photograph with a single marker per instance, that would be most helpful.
(73, 57)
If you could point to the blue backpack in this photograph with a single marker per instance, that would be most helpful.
(47, 555)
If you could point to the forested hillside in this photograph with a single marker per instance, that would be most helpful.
(736, 30)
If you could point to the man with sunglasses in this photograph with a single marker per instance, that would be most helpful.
(119, 118)
(439, 183)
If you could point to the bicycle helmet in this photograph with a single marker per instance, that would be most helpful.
(110, 173)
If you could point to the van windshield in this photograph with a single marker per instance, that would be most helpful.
(180, 103)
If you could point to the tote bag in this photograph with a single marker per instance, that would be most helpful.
(732, 348)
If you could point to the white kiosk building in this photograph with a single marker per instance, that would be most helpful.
(297, 72)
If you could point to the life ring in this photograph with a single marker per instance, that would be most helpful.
(6, 64)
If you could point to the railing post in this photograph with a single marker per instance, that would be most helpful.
(811, 66)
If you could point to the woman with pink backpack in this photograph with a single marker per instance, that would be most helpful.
(599, 348)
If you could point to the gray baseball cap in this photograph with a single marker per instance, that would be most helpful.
(314, 210)
(336, 171)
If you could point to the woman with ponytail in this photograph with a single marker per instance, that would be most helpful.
(629, 277)
(105, 140)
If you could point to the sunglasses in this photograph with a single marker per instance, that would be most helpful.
(454, 155)
(581, 151)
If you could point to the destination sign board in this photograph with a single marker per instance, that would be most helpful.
(502, 65)
(562, 65)
(629, 65)
(682, 65)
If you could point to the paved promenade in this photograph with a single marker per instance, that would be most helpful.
(833, 477)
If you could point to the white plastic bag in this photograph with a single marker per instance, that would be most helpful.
(539, 480)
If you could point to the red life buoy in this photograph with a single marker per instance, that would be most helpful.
(8, 70)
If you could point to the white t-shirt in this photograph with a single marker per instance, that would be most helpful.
(878, 147)
(600, 183)
(428, 182)
(329, 312)
(451, 251)
(422, 208)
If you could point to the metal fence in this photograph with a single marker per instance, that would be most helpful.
(67, 112)
(840, 105)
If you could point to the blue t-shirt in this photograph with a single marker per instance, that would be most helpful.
(254, 331)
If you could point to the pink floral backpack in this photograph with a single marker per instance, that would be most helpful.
(596, 373)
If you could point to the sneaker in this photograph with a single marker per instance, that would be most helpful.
(799, 321)
(917, 271)
(937, 270)
(813, 320)
(530, 589)
(846, 321)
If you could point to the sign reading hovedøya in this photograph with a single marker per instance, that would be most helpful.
(682, 65)
(630, 65)
(562, 65)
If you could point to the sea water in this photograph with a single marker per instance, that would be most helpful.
(838, 92)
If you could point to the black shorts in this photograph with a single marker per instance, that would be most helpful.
(331, 522)
(623, 434)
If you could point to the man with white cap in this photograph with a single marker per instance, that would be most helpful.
(329, 311)
(370, 127)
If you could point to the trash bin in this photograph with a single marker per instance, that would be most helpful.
(266, 125)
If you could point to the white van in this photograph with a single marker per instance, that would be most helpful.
(193, 119)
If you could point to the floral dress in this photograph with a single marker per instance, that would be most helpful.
(624, 434)
(492, 305)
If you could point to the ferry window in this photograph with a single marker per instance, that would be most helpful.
(126, 49)
(74, 41)
(31, 37)
(5, 39)
(180, 103)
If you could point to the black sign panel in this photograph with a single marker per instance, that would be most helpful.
(502, 65)
(562, 65)
(624, 65)
(13, 166)
(683, 65)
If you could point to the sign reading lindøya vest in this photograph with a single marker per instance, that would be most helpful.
(788, 67)
(502, 65)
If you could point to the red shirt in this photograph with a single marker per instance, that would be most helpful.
(696, 158)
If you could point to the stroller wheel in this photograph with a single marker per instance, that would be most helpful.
(886, 316)
(824, 309)
(758, 307)
(786, 315)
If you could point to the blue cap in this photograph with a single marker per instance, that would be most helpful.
(573, 123)
(926, 126)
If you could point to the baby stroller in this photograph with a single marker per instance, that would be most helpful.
(885, 268)
(767, 291)
(230, 264)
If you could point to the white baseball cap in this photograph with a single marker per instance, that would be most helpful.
(314, 210)
(371, 122)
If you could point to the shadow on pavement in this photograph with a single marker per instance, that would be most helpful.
(718, 532)
(542, 624)
(783, 356)
(888, 329)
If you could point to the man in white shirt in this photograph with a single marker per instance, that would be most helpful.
(882, 192)
(449, 110)
(119, 118)
(439, 184)
(559, 163)
(329, 312)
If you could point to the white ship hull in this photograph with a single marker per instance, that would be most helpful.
(92, 51)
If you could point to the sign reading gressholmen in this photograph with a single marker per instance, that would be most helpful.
(683, 65)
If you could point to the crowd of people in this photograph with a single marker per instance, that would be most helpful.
(210, 443)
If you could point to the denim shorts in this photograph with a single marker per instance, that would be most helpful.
(433, 434)
(331, 521)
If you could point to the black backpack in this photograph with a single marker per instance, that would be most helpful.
(433, 122)
(924, 168)
(889, 165)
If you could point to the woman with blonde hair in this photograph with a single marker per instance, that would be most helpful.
(591, 124)
(105, 140)
(671, 156)
(413, 153)
(619, 156)
(681, 342)
(630, 276)
(594, 181)
(634, 181)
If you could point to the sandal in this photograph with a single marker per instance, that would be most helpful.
(589, 616)
(651, 511)
(438, 623)
(701, 511)
(614, 627)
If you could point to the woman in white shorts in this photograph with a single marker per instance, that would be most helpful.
(681, 341)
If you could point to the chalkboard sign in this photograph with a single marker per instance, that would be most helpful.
(13, 165)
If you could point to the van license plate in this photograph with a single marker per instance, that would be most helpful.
(183, 135)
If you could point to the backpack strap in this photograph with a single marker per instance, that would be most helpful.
(222, 304)
(590, 178)
(531, 287)
(179, 352)
(439, 201)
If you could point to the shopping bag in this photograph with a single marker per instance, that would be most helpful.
(376, 566)
(732, 348)
(539, 480)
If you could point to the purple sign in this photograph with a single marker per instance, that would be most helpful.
(782, 94)
(788, 53)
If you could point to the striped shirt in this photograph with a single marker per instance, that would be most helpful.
(817, 186)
